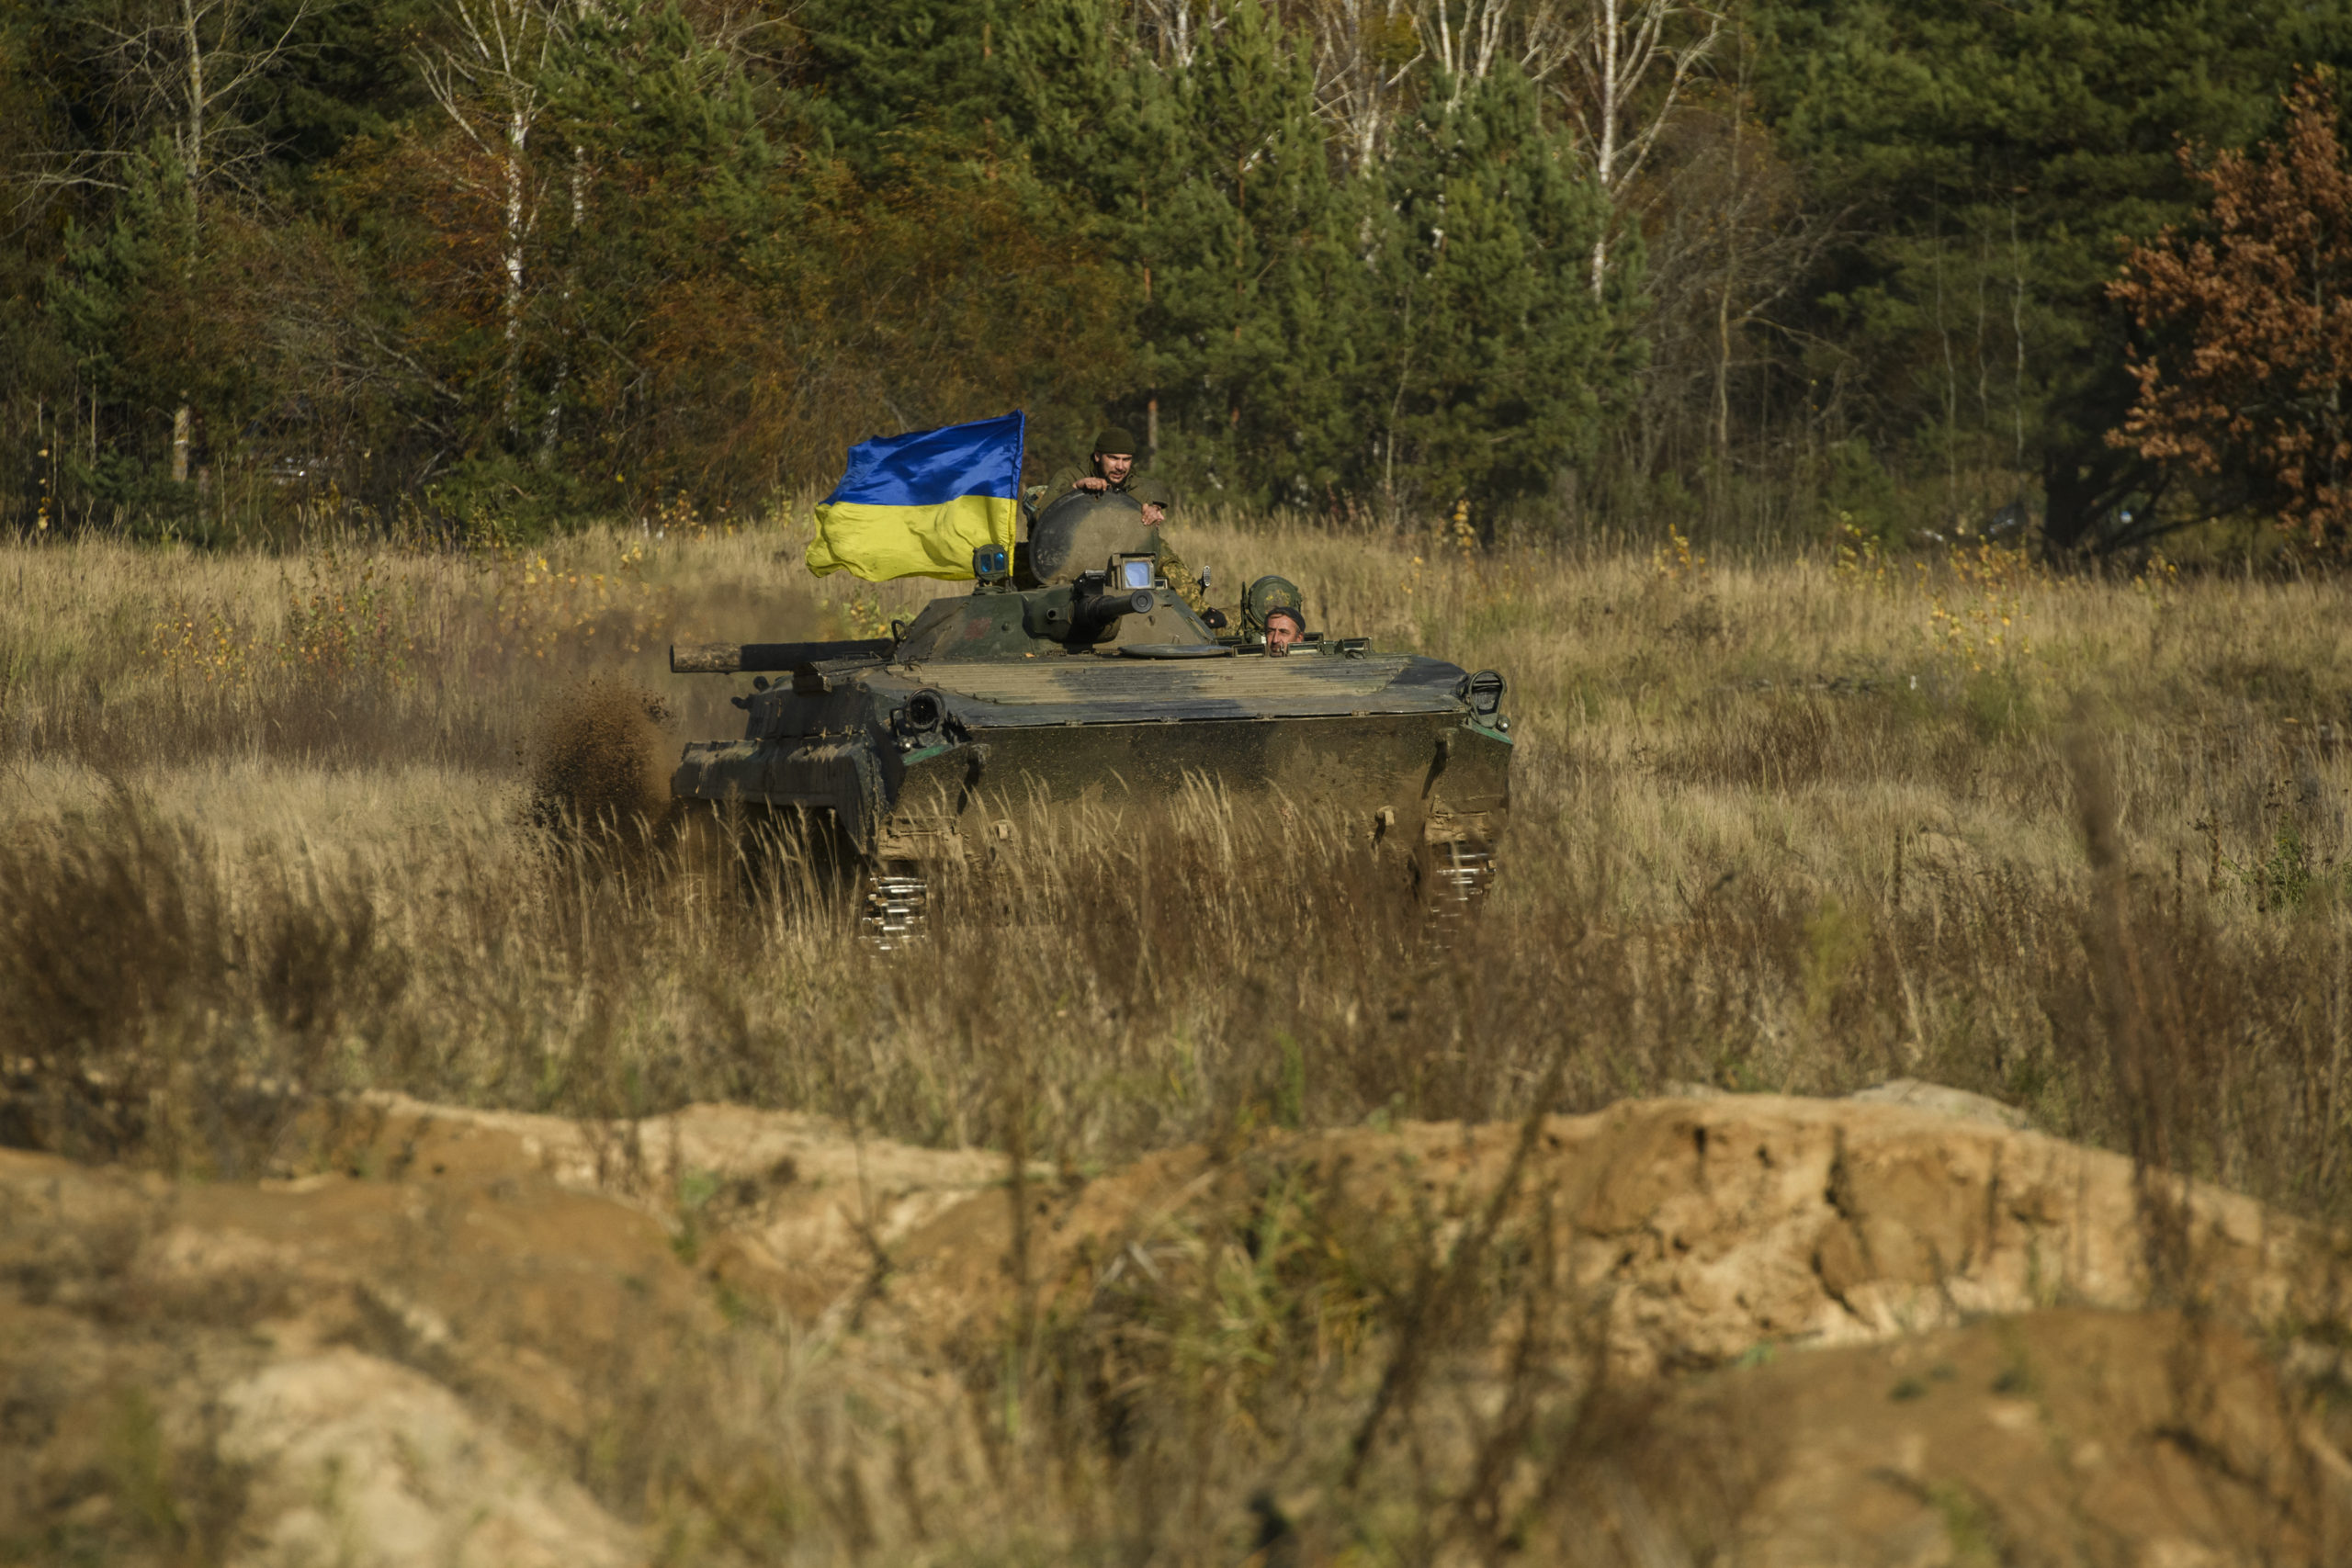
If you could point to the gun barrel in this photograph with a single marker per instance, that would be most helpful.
(1094, 614)
(756, 657)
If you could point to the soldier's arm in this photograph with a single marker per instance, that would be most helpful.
(1181, 578)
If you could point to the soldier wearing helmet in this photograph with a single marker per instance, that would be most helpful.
(1275, 610)
(1112, 469)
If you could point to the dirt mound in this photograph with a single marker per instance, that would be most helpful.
(1789, 1332)
(2056, 1436)
(189, 1367)
(1686, 1233)
(792, 1209)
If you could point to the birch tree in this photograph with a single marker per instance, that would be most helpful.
(183, 68)
(1464, 46)
(1629, 65)
(491, 82)
(1366, 52)
(180, 72)
(1176, 30)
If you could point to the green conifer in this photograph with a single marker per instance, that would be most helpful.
(1494, 359)
(1257, 302)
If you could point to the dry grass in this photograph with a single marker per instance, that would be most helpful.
(1793, 825)
(1796, 825)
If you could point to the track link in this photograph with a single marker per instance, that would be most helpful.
(896, 907)
(1457, 878)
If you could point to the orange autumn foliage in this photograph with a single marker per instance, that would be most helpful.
(2252, 327)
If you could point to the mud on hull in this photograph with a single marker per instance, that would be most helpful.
(1425, 785)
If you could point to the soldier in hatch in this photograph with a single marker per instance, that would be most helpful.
(1157, 502)
(1266, 599)
(1113, 466)
(1113, 463)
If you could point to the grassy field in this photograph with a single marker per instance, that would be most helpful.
(1799, 825)
(277, 827)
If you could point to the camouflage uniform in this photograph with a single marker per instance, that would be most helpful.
(1036, 497)
(1180, 577)
(1172, 567)
(1068, 482)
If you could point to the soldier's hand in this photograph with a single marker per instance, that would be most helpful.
(1091, 484)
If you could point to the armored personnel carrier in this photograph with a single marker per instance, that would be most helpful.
(1073, 672)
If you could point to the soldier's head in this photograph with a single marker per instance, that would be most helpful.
(1266, 595)
(1156, 499)
(1284, 628)
(1114, 454)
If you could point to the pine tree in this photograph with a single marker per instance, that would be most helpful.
(1992, 165)
(138, 304)
(886, 77)
(1256, 302)
(667, 188)
(1495, 357)
(1068, 84)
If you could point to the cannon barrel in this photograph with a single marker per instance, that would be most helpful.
(755, 657)
(1093, 612)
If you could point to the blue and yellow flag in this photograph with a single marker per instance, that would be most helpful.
(918, 504)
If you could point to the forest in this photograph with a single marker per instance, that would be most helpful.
(1779, 270)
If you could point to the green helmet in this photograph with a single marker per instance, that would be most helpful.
(1269, 595)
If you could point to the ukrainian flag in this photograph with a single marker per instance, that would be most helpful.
(918, 504)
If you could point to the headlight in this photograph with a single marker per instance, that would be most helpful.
(1483, 692)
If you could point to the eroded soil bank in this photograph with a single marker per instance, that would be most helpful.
(1737, 1329)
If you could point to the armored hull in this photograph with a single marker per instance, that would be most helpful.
(1386, 743)
(944, 742)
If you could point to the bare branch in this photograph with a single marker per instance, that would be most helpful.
(1613, 56)
(1358, 81)
(183, 69)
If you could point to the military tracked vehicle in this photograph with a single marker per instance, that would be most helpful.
(1073, 672)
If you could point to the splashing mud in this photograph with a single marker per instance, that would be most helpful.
(597, 761)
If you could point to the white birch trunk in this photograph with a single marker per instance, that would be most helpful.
(551, 427)
(518, 134)
(489, 86)
(1620, 43)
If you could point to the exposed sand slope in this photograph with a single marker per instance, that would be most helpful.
(1824, 1331)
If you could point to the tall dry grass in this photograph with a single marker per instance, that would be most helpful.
(278, 827)
(1794, 825)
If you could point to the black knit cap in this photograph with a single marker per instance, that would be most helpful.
(1117, 442)
(1296, 619)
